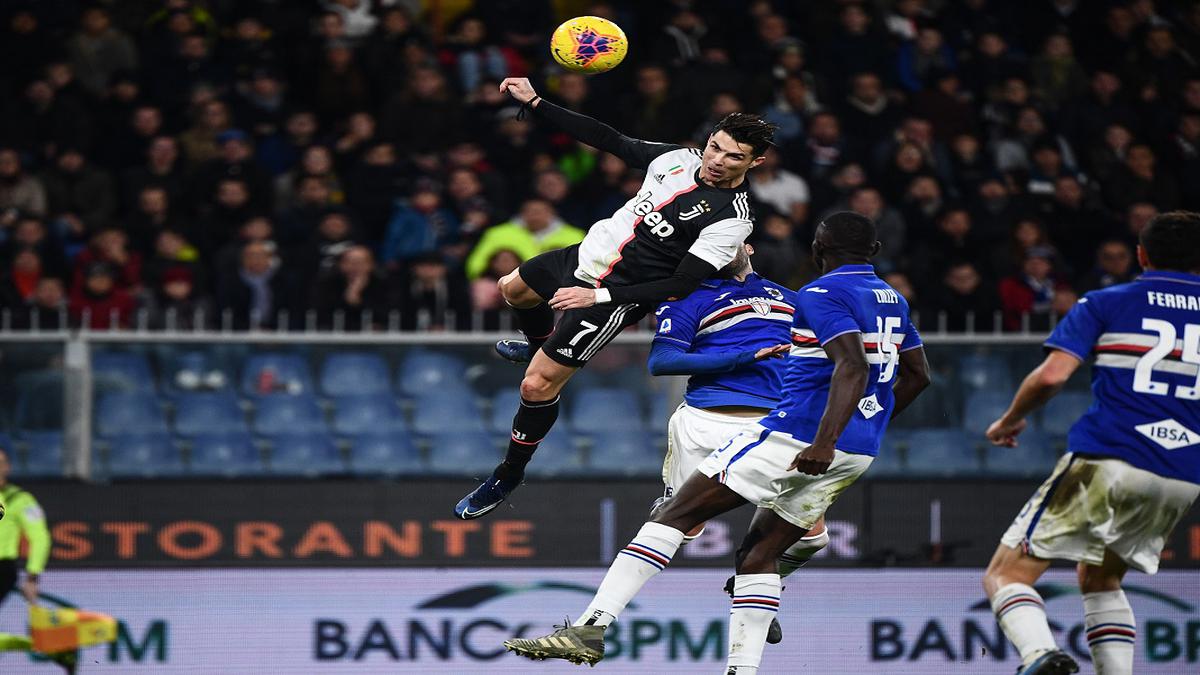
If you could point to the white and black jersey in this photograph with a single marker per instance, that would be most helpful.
(673, 214)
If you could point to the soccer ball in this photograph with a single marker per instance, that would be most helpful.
(588, 44)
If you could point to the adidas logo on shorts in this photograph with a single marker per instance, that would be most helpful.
(567, 352)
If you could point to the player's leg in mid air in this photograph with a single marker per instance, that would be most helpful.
(651, 550)
(534, 318)
(1107, 616)
(1021, 612)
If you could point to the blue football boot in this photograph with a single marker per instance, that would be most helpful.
(516, 351)
(486, 497)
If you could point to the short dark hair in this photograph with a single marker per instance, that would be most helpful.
(1172, 241)
(750, 129)
(850, 232)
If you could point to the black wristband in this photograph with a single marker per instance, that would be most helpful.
(526, 107)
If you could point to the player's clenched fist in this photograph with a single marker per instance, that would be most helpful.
(519, 88)
(1004, 433)
(813, 460)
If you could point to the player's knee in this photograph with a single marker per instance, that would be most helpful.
(538, 387)
(1097, 579)
(515, 292)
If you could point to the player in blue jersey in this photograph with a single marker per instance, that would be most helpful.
(727, 336)
(1133, 463)
(855, 362)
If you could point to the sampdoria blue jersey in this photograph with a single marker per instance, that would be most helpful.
(1145, 384)
(729, 316)
(850, 299)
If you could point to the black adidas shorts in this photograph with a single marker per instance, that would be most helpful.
(580, 333)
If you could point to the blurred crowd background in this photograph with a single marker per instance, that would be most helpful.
(331, 163)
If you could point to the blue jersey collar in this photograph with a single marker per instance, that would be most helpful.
(851, 269)
(717, 283)
(1167, 275)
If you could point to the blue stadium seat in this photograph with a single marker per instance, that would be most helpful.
(983, 408)
(39, 401)
(556, 456)
(423, 371)
(287, 373)
(470, 454)
(305, 454)
(939, 453)
(288, 414)
(229, 455)
(384, 454)
(504, 406)
(1032, 458)
(937, 406)
(625, 453)
(985, 372)
(121, 371)
(215, 412)
(43, 454)
(366, 414)
(143, 456)
(662, 406)
(437, 409)
(597, 410)
(195, 370)
(890, 462)
(129, 414)
(357, 373)
(1064, 410)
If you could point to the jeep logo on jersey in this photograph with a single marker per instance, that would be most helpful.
(760, 306)
(1168, 433)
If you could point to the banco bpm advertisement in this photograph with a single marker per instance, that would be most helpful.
(454, 620)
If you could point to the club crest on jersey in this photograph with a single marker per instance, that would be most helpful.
(774, 293)
(760, 306)
(699, 209)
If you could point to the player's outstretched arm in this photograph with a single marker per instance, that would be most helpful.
(913, 378)
(672, 359)
(634, 152)
(1039, 386)
(846, 387)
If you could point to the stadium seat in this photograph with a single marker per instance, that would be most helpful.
(890, 462)
(985, 372)
(662, 406)
(983, 408)
(229, 455)
(504, 406)
(366, 414)
(121, 371)
(423, 371)
(129, 414)
(434, 410)
(305, 454)
(385, 454)
(39, 401)
(199, 413)
(354, 373)
(937, 406)
(288, 414)
(598, 410)
(557, 456)
(43, 454)
(471, 454)
(624, 453)
(265, 373)
(1064, 410)
(1034, 457)
(191, 371)
(143, 456)
(941, 453)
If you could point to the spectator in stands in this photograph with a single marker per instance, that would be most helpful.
(420, 226)
(1184, 156)
(110, 246)
(920, 58)
(235, 159)
(172, 251)
(356, 16)
(278, 152)
(98, 301)
(1107, 158)
(353, 295)
(429, 291)
(1137, 217)
(963, 302)
(152, 215)
(854, 47)
(792, 104)
(199, 141)
(424, 116)
(176, 303)
(81, 198)
(98, 50)
(890, 227)
(922, 204)
(995, 210)
(485, 293)
(474, 54)
(230, 208)
(535, 230)
(954, 239)
(1075, 222)
(256, 291)
(1057, 76)
(298, 223)
(24, 271)
(824, 149)
(867, 112)
(969, 165)
(162, 168)
(30, 233)
(781, 189)
(991, 64)
(1114, 264)
(777, 256)
(54, 121)
(316, 160)
(652, 110)
(19, 191)
(1086, 118)
(339, 85)
(1031, 291)
(1014, 151)
(46, 309)
(553, 187)
(334, 236)
(1140, 180)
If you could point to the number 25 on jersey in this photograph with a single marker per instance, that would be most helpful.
(1144, 383)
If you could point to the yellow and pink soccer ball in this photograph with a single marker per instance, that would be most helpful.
(588, 44)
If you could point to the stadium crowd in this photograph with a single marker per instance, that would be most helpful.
(348, 158)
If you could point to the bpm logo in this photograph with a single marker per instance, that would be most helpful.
(470, 624)
(1167, 631)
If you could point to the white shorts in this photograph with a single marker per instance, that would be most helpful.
(1089, 504)
(692, 435)
(755, 463)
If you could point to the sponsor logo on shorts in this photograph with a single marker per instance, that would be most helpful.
(1168, 433)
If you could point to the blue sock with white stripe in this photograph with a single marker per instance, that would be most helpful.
(648, 554)
(1111, 631)
(755, 603)
(1022, 614)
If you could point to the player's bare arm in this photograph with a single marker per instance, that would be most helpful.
(1039, 386)
(849, 381)
(913, 377)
